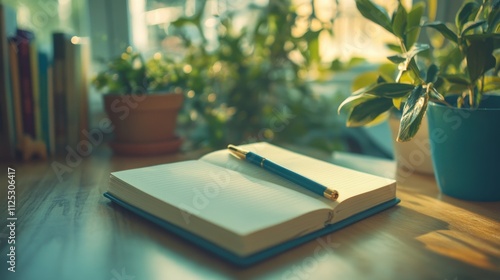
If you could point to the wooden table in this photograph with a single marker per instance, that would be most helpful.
(67, 230)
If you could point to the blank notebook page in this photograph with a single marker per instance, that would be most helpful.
(231, 200)
(347, 182)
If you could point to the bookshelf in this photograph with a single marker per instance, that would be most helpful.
(43, 91)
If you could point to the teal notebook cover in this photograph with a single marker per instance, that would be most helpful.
(259, 256)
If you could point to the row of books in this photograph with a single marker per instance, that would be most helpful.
(43, 96)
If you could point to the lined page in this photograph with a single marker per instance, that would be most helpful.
(231, 200)
(349, 183)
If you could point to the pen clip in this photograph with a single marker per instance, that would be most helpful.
(237, 152)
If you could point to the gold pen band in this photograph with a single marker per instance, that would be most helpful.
(331, 194)
(237, 152)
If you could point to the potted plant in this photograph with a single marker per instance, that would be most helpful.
(411, 156)
(463, 126)
(141, 104)
(253, 85)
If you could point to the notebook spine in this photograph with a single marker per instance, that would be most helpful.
(329, 219)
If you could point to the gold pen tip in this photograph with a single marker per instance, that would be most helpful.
(237, 152)
(331, 194)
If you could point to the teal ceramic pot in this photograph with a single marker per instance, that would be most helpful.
(465, 148)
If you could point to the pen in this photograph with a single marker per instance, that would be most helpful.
(283, 172)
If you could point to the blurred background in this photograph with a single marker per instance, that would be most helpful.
(261, 70)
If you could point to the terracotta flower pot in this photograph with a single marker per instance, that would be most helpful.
(144, 124)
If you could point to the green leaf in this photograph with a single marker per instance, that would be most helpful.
(496, 54)
(413, 112)
(483, 36)
(444, 30)
(381, 79)
(183, 21)
(399, 21)
(468, 10)
(456, 79)
(368, 111)
(408, 77)
(354, 100)
(389, 90)
(416, 49)
(396, 58)
(313, 46)
(413, 26)
(431, 74)
(480, 57)
(491, 83)
(374, 13)
(410, 63)
(457, 88)
(494, 18)
(471, 25)
(394, 47)
(439, 82)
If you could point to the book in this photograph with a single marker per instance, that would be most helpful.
(50, 112)
(8, 26)
(59, 86)
(72, 92)
(16, 90)
(84, 82)
(23, 41)
(69, 90)
(35, 81)
(45, 101)
(243, 213)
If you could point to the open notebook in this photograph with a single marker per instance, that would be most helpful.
(242, 212)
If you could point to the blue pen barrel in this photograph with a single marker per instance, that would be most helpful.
(286, 173)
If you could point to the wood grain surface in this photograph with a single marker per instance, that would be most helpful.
(66, 229)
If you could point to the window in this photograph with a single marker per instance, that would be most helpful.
(353, 36)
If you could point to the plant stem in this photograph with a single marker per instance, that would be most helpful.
(402, 45)
(415, 71)
(471, 97)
